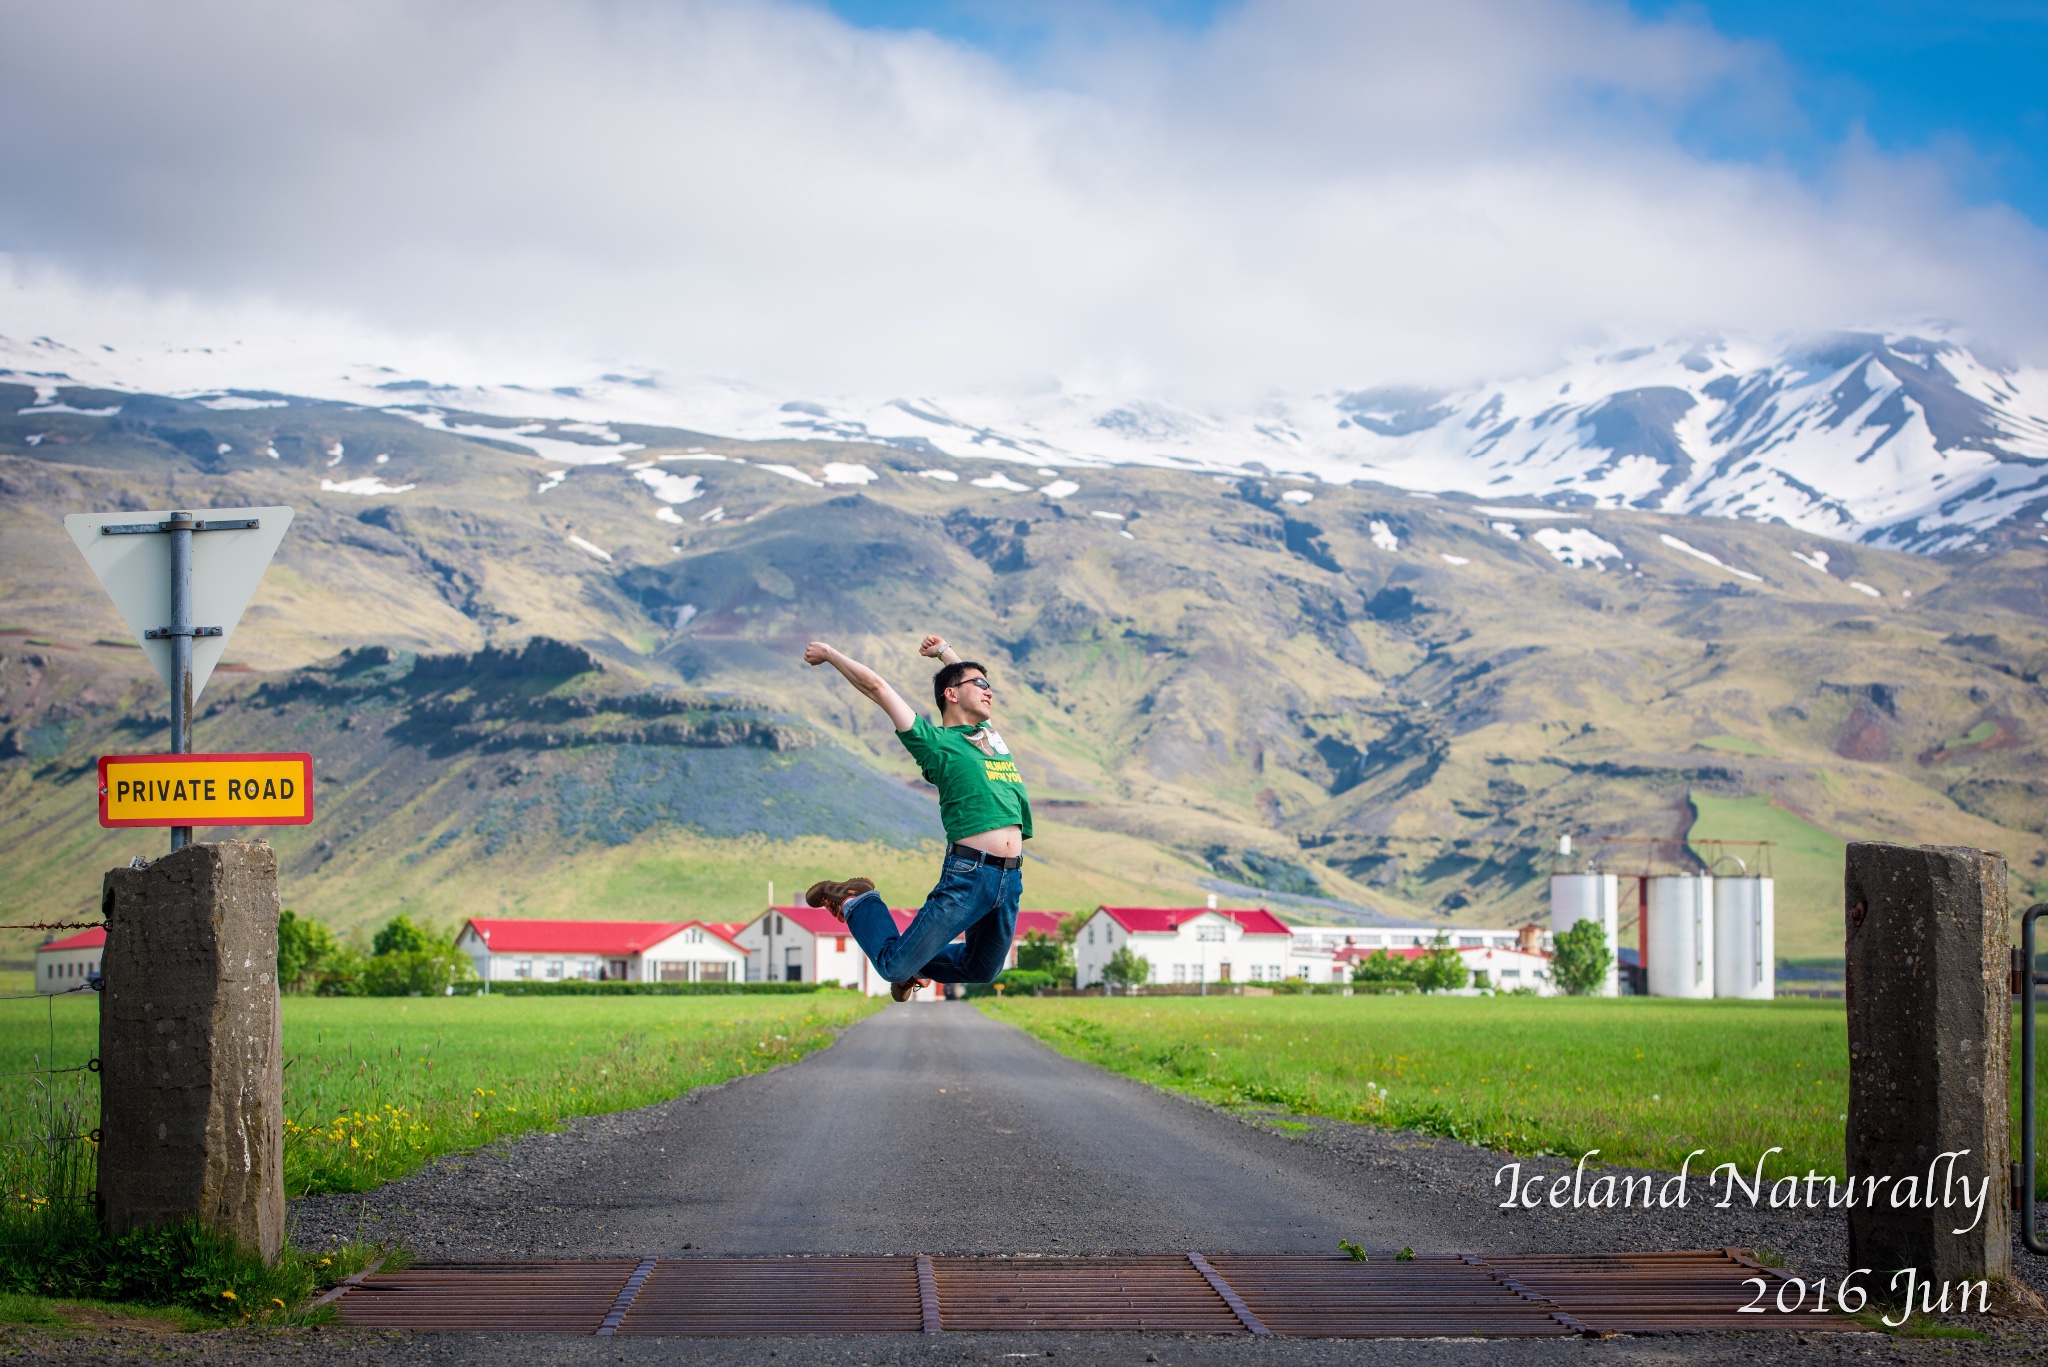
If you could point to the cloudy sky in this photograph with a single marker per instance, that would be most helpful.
(1172, 197)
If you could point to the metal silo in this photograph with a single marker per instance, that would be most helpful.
(1745, 938)
(1681, 935)
(1576, 897)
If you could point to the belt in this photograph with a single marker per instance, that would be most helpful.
(1015, 861)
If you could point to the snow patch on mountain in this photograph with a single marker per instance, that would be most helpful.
(1906, 440)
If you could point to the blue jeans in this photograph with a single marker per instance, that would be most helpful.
(980, 899)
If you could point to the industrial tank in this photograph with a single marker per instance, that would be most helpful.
(1745, 939)
(1680, 942)
(1576, 897)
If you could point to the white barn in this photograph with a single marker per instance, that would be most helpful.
(66, 965)
(506, 950)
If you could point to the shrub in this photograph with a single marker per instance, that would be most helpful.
(1015, 982)
(305, 949)
(1126, 969)
(1382, 967)
(1441, 969)
(401, 936)
(1580, 959)
(1040, 953)
(408, 962)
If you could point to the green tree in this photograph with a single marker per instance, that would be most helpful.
(1040, 953)
(1126, 969)
(341, 973)
(305, 948)
(1580, 957)
(400, 936)
(1382, 967)
(408, 961)
(1442, 968)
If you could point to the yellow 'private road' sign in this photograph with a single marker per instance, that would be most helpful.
(206, 790)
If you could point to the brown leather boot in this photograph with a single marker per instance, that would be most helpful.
(907, 989)
(834, 896)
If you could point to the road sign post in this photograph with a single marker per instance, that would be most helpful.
(144, 562)
(191, 1080)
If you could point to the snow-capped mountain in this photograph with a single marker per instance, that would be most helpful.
(1908, 441)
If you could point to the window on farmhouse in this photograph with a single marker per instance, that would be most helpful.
(523, 969)
(1471, 941)
(554, 970)
(712, 973)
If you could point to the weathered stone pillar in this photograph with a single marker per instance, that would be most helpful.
(1930, 1038)
(191, 1045)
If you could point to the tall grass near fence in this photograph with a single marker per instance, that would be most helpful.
(49, 1109)
(1643, 1080)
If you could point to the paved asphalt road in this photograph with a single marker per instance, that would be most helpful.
(931, 1128)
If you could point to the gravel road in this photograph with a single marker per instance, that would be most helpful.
(930, 1128)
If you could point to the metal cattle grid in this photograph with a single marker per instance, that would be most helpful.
(1294, 1295)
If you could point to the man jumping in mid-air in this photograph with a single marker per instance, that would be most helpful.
(987, 819)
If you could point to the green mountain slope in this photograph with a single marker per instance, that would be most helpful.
(1356, 697)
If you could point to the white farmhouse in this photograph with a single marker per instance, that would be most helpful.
(811, 945)
(70, 963)
(808, 945)
(1509, 958)
(602, 951)
(1193, 945)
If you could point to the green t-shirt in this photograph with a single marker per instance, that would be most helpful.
(977, 792)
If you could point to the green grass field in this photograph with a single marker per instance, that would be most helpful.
(1645, 1081)
(375, 1087)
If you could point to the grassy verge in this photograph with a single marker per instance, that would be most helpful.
(1643, 1081)
(377, 1087)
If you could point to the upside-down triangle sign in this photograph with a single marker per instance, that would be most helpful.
(135, 570)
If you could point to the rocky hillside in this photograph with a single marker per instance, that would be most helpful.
(1346, 699)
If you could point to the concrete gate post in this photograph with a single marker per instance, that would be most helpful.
(191, 1045)
(1930, 1038)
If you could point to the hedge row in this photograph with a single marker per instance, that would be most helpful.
(578, 987)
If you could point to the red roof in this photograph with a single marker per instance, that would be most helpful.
(615, 939)
(1166, 920)
(84, 939)
(819, 921)
(1046, 923)
(725, 930)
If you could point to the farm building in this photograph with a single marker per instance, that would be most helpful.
(1199, 944)
(65, 965)
(602, 951)
(1509, 959)
(811, 945)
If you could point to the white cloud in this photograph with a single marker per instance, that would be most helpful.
(1307, 193)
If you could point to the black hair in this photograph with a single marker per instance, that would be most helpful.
(950, 677)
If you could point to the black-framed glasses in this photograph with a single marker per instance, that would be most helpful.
(977, 682)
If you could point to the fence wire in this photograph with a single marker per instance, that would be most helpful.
(49, 1111)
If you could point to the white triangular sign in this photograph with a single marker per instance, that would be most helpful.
(135, 570)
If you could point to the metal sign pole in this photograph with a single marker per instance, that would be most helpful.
(180, 528)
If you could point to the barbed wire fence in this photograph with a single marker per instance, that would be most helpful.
(49, 1109)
